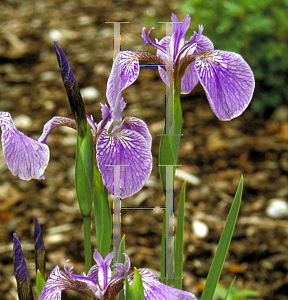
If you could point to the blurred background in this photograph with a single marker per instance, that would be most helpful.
(215, 153)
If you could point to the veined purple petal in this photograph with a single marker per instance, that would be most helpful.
(24, 156)
(106, 112)
(228, 82)
(165, 42)
(104, 271)
(155, 290)
(189, 80)
(53, 123)
(147, 40)
(91, 284)
(93, 126)
(139, 126)
(59, 281)
(202, 44)
(119, 269)
(179, 32)
(126, 66)
(196, 44)
(129, 149)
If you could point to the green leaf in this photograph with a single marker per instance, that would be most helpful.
(179, 240)
(218, 261)
(163, 251)
(135, 291)
(102, 215)
(166, 157)
(121, 258)
(177, 125)
(40, 282)
(228, 292)
(84, 168)
(170, 141)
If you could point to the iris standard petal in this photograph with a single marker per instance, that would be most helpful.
(155, 290)
(24, 156)
(129, 149)
(59, 281)
(179, 32)
(104, 271)
(228, 82)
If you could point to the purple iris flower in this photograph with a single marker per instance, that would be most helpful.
(125, 142)
(227, 79)
(103, 283)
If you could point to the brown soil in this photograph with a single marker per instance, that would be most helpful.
(216, 152)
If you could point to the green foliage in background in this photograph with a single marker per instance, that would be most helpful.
(258, 30)
(235, 294)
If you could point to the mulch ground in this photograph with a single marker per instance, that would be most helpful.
(216, 152)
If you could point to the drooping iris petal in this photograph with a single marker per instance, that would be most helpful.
(130, 150)
(24, 156)
(53, 123)
(59, 281)
(197, 45)
(228, 82)
(155, 290)
(125, 66)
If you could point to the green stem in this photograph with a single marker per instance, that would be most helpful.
(87, 242)
(168, 156)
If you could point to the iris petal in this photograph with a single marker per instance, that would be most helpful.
(24, 156)
(139, 126)
(165, 42)
(228, 82)
(53, 123)
(59, 281)
(126, 65)
(154, 289)
(129, 149)
(179, 32)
